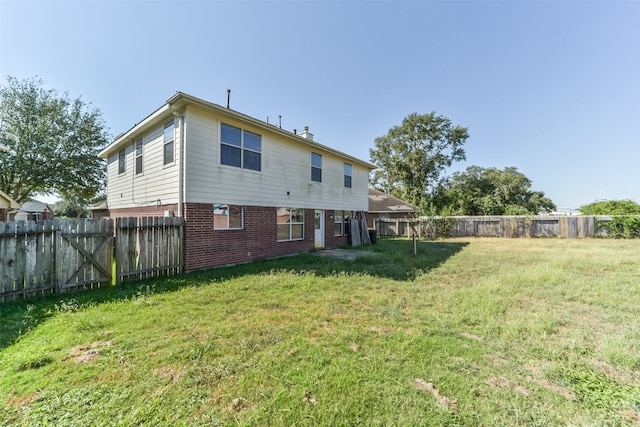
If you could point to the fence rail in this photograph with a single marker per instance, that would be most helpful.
(59, 255)
(494, 226)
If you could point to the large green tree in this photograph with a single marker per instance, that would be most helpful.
(611, 207)
(412, 157)
(491, 191)
(50, 143)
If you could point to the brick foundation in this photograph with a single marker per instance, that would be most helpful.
(205, 247)
(330, 239)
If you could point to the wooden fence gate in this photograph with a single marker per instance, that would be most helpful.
(66, 254)
(84, 254)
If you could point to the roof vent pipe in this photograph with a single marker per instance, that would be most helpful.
(228, 97)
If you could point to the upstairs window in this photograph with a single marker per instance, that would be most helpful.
(290, 224)
(347, 175)
(227, 217)
(240, 148)
(316, 167)
(122, 161)
(169, 143)
(139, 156)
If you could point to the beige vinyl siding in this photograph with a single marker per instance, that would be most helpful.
(158, 183)
(285, 178)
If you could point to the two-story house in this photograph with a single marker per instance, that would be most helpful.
(247, 189)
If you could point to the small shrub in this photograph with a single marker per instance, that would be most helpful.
(620, 226)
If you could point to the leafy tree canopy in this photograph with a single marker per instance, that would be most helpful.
(412, 157)
(611, 207)
(50, 143)
(491, 191)
(70, 208)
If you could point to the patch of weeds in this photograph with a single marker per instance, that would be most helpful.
(70, 306)
(87, 325)
(32, 363)
(254, 344)
(28, 320)
(201, 351)
(143, 293)
(597, 390)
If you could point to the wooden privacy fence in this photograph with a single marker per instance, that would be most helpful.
(494, 226)
(148, 247)
(66, 254)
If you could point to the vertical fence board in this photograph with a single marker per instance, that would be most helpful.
(4, 256)
(63, 259)
(48, 244)
(20, 256)
(34, 231)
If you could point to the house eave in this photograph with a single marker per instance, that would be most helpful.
(12, 203)
(137, 130)
(180, 101)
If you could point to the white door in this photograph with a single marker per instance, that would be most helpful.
(319, 235)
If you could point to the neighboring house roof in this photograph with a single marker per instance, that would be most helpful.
(32, 207)
(7, 202)
(102, 204)
(35, 206)
(180, 101)
(380, 202)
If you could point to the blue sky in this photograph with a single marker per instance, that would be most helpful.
(552, 88)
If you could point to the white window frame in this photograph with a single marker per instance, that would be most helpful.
(336, 215)
(221, 212)
(122, 161)
(242, 147)
(138, 144)
(290, 222)
(348, 175)
(316, 166)
(169, 142)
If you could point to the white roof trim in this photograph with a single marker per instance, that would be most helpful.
(180, 101)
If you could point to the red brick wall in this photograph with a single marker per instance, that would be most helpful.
(205, 247)
(330, 239)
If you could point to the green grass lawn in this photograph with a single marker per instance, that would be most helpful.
(490, 332)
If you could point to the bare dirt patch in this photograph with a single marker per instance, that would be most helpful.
(631, 416)
(86, 353)
(170, 374)
(15, 401)
(308, 397)
(472, 336)
(553, 387)
(506, 383)
(442, 400)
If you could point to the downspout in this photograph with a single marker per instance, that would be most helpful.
(181, 166)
